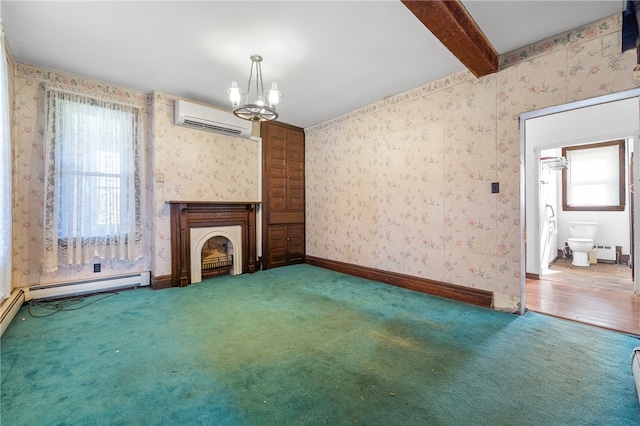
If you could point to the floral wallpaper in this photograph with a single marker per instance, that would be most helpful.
(404, 185)
(197, 166)
(28, 174)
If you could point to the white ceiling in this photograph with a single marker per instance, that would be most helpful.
(328, 57)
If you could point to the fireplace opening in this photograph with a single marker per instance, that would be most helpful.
(214, 251)
(217, 257)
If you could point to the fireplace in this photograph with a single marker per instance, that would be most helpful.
(193, 224)
(216, 257)
(219, 259)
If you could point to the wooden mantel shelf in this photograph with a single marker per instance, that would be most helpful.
(202, 214)
(213, 202)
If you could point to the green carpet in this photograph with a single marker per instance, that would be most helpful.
(303, 345)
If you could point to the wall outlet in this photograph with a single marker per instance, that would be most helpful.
(96, 267)
(495, 187)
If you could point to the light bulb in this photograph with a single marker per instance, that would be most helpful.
(274, 95)
(234, 94)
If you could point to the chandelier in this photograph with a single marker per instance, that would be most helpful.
(263, 108)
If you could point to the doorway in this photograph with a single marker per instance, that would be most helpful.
(600, 178)
(605, 118)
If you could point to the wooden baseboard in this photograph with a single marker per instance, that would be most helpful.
(160, 282)
(469, 295)
(532, 276)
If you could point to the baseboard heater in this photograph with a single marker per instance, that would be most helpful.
(86, 287)
(606, 252)
(10, 307)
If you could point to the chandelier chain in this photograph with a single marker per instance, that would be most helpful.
(249, 82)
(259, 90)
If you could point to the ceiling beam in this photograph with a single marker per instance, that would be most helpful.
(452, 24)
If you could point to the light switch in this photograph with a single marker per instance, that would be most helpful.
(159, 177)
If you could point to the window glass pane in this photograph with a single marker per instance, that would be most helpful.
(594, 178)
(92, 167)
(593, 195)
(594, 166)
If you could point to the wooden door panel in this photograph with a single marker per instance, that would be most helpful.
(295, 189)
(296, 202)
(277, 199)
(295, 243)
(295, 141)
(285, 217)
(277, 246)
(295, 160)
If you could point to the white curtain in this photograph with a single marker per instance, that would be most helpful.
(5, 178)
(93, 187)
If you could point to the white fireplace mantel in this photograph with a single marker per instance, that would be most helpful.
(199, 236)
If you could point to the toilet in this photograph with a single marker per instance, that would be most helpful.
(581, 241)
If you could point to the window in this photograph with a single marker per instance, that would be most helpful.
(595, 179)
(93, 191)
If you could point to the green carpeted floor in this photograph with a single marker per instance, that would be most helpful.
(303, 345)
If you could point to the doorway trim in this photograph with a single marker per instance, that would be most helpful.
(534, 219)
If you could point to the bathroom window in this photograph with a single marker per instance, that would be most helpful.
(595, 178)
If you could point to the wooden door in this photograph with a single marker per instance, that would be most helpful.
(295, 243)
(285, 245)
(276, 254)
(283, 195)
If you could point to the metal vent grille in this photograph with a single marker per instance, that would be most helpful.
(211, 127)
(606, 252)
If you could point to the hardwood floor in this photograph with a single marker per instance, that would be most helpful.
(603, 297)
(608, 276)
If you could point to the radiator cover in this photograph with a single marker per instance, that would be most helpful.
(87, 287)
(9, 308)
(606, 252)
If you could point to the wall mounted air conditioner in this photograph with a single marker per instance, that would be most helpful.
(200, 117)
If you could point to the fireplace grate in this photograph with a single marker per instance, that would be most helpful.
(213, 263)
